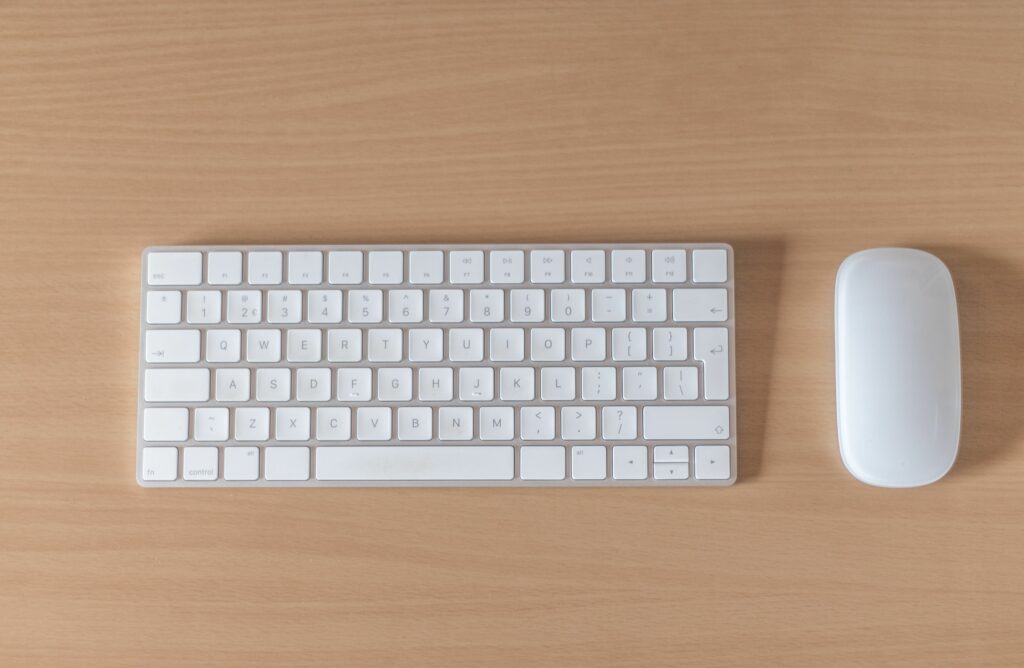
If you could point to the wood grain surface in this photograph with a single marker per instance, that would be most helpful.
(797, 131)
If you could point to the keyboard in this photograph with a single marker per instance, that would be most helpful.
(464, 365)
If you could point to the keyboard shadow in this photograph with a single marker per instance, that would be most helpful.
(988, 292)
(758, 265)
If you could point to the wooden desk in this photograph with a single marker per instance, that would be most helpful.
(795, 132)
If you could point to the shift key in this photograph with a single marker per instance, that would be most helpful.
(672, 423)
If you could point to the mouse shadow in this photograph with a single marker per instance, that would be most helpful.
(757, 265)
(988, 294)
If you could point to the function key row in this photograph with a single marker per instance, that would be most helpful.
(430, 267)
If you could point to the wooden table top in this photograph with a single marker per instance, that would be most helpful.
(796, 131)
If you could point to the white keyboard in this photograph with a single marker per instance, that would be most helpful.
(437, 365)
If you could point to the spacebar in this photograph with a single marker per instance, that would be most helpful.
(395, 462)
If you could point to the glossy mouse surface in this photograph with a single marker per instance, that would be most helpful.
(897, 367)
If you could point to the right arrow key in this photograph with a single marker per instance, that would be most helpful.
(712, 462)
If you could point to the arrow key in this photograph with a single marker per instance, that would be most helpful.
(671, 454)
(712, 462)
(673, 471)
(629, 462)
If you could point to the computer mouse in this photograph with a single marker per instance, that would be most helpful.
(897, 367)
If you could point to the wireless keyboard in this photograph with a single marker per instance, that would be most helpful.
(575, 365)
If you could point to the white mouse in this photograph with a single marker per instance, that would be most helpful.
(897, 367)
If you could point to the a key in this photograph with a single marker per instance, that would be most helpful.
(435, 384)
(394, 384)
(426, 345)
(273, 384)
(245, 306)
(405, 306)
(547, 344)
(354, 384)
(507, 345)
(291, 423)
(526, 305)
(211, 424)
(203, 307)
(711, 462)
(476, 383)
(669, 344)
(597, 383)
(537, 423)
(588, 344)
(446, 306)
(414, 423)
(365, 306)
(241, 463)
(558, 383)
(568, 305)
(629, 462)
(159, 464)
(608, 305)
(649, 305)
(486, 305)
(455, 423)
(323, 306)
(373, 423)
(252, 424)
(629, 344)
(334, 423)
(344, 345)
(263, 345)
(618, 423)
(466, 345)
(284, 306)
(165, 424)
(680, 383)
(579, 423)
(232, 385)
(639, 383)
(517, 384)
(589, 462)
(497, 423)
(286, 463)
(629, 266)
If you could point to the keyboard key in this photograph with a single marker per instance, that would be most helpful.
(405, 306)
(394, 384)
(680, 383)
(473, 462)
(629, 266)
(414, 424)
(211, 424)
(711, 346)
(265, 267)
(241, 463)
(334, 423)
(436, 384)
(618, 423)
(476, 383)
(373, 423)
(263, 345)
(284, 306)
(674, 471)
(507, 267)
(588, 344)
(354, 385)
(199, 464)
(486, 305)
(446, 306)
(344, 345)
(668, 266)
(245, 306)
(547, 266)
(497, 423)
(669, 344)
(711, 462)
(547, 344)
(466, 345)
(671, 453)
(598, 383)
(587, 266)
(558, 383)
(507, 345)
(579, 423)
(165, 424)
(159, 464)
(426, 267)
(174, 268)
(537, 423)
(568, 305)
(304, 345)
(169, 346)
(312, 385)
(526, 306)
(386, 267)
(203, 307)
(291, 423)
(455, 423)
(639, 383)
(252, 424)
(232, 385)
(710, 266)
(517, 384)
(163, 307)
(681, 423)
(273, 384)
(700, 304)
(286, 463)
(542, 462)
(589, 462)
(466, 267)
(181, 385)
(426, 345)
(629, 462)
(345, 267)
(305, 267)
(224, 268)
(323, 306)
(365, 306)
(649, 305)
(629, 344)
(608, 305)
